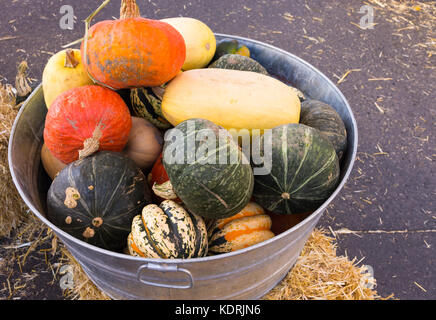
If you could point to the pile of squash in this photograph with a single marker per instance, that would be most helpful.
(115, 108)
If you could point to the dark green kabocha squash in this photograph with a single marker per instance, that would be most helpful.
(207, 169)
(96, 198)
(320, 115)
(238, 62)
(304, 170)
(146, 103)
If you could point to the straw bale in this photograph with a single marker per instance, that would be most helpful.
(13, 211)
(319, 274)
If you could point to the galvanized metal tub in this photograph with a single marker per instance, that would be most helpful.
(245, 274)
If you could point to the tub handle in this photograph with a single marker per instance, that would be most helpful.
(165, 269)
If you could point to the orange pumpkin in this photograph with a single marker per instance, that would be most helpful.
(86, 119)
(133, 52)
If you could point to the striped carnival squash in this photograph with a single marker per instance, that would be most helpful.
(249, 226)
(304, 170)
(326, 119)
(147, 104)
(207, 169)
(167, 231)
(96, 198)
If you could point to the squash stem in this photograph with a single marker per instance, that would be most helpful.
(70, 59)
(129, 9)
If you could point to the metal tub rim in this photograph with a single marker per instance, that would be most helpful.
(307, 220)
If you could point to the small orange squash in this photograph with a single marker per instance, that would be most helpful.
(133, 52)
(246, 228)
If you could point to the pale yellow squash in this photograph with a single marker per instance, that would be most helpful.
(63, 71)
(199, 40)
(232, 99)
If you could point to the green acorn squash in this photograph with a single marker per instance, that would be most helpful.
(96, 198)
(167, 231)
(304, 170)
(211, 182)
(326, 119)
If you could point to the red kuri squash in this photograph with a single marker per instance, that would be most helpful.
(86, 119)
(133, 52)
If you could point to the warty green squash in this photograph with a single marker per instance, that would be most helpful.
(207, 169)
